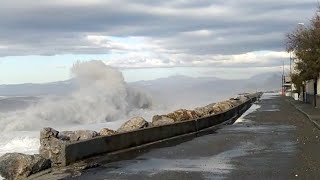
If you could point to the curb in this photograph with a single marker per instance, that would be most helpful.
(305, 114)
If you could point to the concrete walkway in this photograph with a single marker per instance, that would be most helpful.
(273, 140)
(312, 113)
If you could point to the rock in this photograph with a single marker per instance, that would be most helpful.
(65, 135)
(248, 96)
(133, 124)
(206, 110)
(232, 103)
(20, 166)
(161, 120)
(82, 135)
(48, 132)
(51, 142)
(203, 111)
(222, 106)
(217, 109)
(235, 102)
(106, 132)
(50, 145)
(210, 105)
(183, 115)
(242, 99)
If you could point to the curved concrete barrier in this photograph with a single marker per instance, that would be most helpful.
(72, 152)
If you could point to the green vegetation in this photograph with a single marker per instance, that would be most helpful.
(297, 81)
(304, 43)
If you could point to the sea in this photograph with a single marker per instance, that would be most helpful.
(102, 100)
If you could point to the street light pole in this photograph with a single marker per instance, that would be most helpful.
(290, 62)
(283, 78)
(290, 59)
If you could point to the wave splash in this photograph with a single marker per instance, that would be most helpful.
(102, 96)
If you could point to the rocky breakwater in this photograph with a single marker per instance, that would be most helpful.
(51, 142)
(199, 112)
(20, 166)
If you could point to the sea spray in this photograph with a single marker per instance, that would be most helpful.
(102, 96)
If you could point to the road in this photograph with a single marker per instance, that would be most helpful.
(274, 141)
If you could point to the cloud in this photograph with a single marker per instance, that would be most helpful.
(157, 33)
(245, 60)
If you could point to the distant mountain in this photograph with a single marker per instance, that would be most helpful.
(30, 89)
(176, 86)
(265, 81)
(174, 80)
(260, 82)
(195, 91)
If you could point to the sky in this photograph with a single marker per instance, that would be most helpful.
(146, 39)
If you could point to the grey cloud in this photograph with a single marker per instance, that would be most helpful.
(48, 28)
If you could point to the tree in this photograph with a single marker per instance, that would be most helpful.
(297, 81)
(304, 42)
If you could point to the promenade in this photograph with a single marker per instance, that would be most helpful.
(312, 113)
(273, 140)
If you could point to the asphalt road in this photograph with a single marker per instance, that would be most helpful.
(275, 141)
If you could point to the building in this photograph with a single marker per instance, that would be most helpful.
(286, 86)
(312, 92)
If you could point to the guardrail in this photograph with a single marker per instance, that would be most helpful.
(75, 151)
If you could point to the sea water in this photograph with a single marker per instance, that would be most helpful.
(103, 100)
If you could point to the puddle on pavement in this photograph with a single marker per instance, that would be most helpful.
(216, 165)
(273, 108)
(242, 118)
(259, 129)
(283, 146)
(269, 96)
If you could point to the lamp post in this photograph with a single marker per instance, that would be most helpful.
(290, 59)
(301, 26)
(282, 79)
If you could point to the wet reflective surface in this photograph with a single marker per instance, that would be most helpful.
(263, 145)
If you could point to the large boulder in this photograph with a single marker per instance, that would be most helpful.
(77, 135)
(50, 145)
(235, 102)
(133, 124)
(242, 99)
(203, 111)
(82, 135)
(51, 142)
(222, 106)
(20, 166)
(206, 110)
(65, 135)
(231, 103)
(106, 132)
(159, 120)
(48, 132)
(183, 115)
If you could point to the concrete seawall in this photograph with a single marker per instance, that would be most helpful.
(76, 151)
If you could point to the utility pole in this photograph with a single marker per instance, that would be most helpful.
(283, 77)
(290, 59)
(290, 62)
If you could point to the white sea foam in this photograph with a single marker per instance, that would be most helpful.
(102, 100)
(28, 145)
(103, 96)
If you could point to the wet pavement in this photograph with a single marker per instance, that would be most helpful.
(312, 113)
(274, 141)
